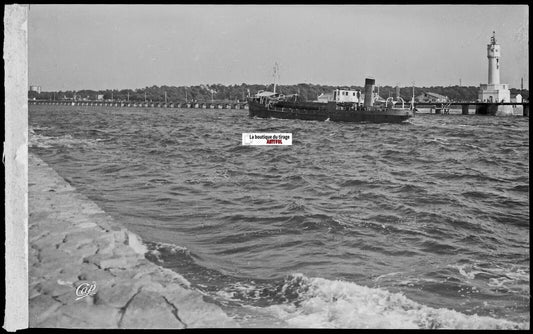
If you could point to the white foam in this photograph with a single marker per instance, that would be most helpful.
(519, 275)
(340, 304)
(499, 282)
(167, 248)
(512, 278)
(135, 242)
(38, 140)
(470, 275)
(170, 248)
(387, 275)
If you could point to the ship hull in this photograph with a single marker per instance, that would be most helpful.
(315, 113)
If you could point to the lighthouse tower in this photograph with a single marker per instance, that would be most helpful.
(494, 91)
(493, 53)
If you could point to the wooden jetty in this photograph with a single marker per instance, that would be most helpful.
(481, 108)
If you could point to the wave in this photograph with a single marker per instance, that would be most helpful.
(37, 140)
(319, 302)
(299, 301)
(155, 251)
(497, 278)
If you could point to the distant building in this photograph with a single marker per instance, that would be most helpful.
(517, 98)
(431, 97)
(100, 97)
(35, 89)
(324, 98)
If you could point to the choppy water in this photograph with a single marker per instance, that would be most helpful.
(423, 224)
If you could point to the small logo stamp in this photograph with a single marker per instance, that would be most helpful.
(85, 289)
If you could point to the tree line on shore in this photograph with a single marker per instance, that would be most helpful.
(219, 92)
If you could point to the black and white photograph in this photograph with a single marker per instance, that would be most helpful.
(273, 166)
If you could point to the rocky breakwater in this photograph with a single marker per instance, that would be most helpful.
(86, 271)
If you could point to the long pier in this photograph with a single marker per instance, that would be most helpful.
(482, 108)
(194, 105)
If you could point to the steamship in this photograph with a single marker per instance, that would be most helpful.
(345, 107)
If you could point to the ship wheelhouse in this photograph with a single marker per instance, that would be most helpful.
(347, 95)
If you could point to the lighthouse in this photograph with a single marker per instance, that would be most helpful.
(493, 53)
(494, 91)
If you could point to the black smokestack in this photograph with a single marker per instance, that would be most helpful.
(369, 89)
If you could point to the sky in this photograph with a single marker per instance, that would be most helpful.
(74, 47)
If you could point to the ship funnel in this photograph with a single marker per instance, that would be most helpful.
(397, 94)
(369, 89)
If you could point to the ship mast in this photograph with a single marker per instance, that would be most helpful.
(413, 97)
(276, 74)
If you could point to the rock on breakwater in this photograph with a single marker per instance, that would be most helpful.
(72, 242)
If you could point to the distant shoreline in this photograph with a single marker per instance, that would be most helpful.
(217, 92)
